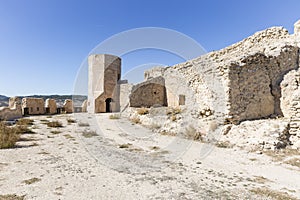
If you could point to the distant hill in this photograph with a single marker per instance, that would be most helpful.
(3, 98)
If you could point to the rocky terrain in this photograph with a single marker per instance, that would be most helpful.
(106, 156)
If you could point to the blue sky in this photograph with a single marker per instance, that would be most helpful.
(44, 42)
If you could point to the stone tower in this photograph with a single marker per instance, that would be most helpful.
(103, 89)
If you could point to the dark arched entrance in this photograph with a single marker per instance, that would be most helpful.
(108, 104)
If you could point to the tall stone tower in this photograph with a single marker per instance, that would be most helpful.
(103, 89)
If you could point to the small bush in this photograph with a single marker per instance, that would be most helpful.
(173, 118)
(23, 129)
(25, 122)
(54, 124)
(114, 116)
(55, 132)
(174, 111)
(143, 111)
(31, 181)
(83, 124)
(8, 136)
(224, 144)
(11, 197)
(136, 120)
(123, 146)
(89, 134)
(294, 162)
(71, 121)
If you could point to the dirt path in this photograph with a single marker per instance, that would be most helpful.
(128, 161)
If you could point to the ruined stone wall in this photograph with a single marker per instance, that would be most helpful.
(34, 106)
(236, 83)
(255, 84)
(125, 91)
(149, 93)
(84, 106)
(68, 106)
(50, 106)
(13, 111)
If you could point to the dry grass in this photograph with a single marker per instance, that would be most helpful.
(266, 192)
(8, 136)
(55, 132)
(123, 146)
(89, 134)
(25, 122)
(223, 144)
(174, 111)
(68, 136)
(54, 124)
(114, 116)
(142, 111)
(261, 179)
(173, 118)
(31, 181)
(135, 120)
(11, 197)
(83, 124)
(71, 121)
(281, 154)
(167, 133)
(294, 162)
(44, 121)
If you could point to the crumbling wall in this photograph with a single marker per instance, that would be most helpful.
(149, 93)
(125, 91)
(13, 111)
(33, 106)
(50, 106)
(84, 106)
(255, 84)
(68, 106)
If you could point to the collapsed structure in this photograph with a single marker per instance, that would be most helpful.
(253, 79)
(33, 106)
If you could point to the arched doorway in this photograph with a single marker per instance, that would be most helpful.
(108, 104)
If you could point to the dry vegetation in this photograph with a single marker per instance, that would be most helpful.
(71, 121)
(142, 111)
(135, 120)
(8, 136)
(54, 124)
(11, 197)
(280, 155)
(294, 162)
(114, 116)
(31, 181)
(224, 144)
(123, 146)
(83, 124)
(268, 193)
(89, 134)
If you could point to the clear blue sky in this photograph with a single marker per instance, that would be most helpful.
(43, 42)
